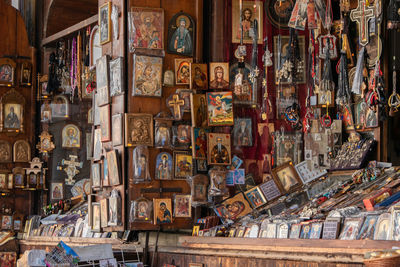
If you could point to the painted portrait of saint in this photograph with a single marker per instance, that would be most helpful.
(180, 34)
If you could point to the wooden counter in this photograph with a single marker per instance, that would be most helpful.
(270, 252)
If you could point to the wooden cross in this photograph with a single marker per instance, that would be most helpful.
(176, 104)
(71, 168)
(362, 14)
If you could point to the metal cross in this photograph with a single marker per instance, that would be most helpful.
(176, 104)
(362, 14)
(71, 168)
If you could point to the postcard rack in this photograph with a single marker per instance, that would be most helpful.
(122, 256)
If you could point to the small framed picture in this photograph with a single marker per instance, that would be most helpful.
(198, 104)
(71, 136)
(19, 177)
(113, 168)
(57, 191)
(183, 206)
(7, 71)
(95, 175)
(117, 129)
(182, 71)
(219, 75)
(219, 108)
(6, 222)
(105, 124)
(116, 76)
(198, 76)
(162, 210)
(255, 197)
(147, 76)
(316, 230)
(286, 177)
(96, 217)
(141, 210)
(238, 205)
(183, 164)
(199, 187)
(219, 149)
(138, 129)
(104, 212)
(199, 143)
(243, 132)
(181, 35)
(164, 166)
(351, 227)
(102, 81)
(383, 226)
(105, 23)
(26, 74)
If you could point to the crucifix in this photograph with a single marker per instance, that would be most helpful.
(175, 103)
(71, 168)
(266, 104)
(362, 14)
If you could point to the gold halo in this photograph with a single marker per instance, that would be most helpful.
(145, 15)
(187, 20)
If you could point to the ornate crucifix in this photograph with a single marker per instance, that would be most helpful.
(175, 104)
(71, 168)
(362, 14)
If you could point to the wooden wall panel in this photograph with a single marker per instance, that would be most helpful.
(155, 105)
(15, 44)
(183, 260)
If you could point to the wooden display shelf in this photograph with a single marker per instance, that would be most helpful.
(338, 251)
(38, 242)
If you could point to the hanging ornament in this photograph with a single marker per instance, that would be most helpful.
(292, 116)
(327, 83)
(343, 92)
(394, 98)
(358, 77)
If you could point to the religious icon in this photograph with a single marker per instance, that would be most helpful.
(305, 231)
(218, 182)
(168, 78)
(286, 177)
(243, 132)
(163, 127)
(108, 262)
(176, 104)
(198, 105)
(182, 136)
(182, 71)
(104, 212)
(164, 166)
(113, 168)
(199, 143)
(97, 145)
(60, 107)
(360, 114)
(105, 123)
(219, 75)
(140, 161)
(71, 136)
(114, 203)
(183, 164)
(26, 74)
(102, 81)
(368, 228)
(3, 181)
(220, 109)
(95, 175)
(281, 54)
(162, 210)
(351, 227)
(181, 31)
(12, 116)
(22, 151)
(19, 177)
(57, 191)
(7, 70)
(183, 206)
(117, 129)
(96, 215)
(219, 149)
(383, 226)
(199, 185)
(17, 222)
(372, 118)
(116, 76)
(104, 177)
(5, 152)
(251, 10)
(139, 129)
(141, 210)
(198, 76)
(45, 112)
(12, 110)
(148, 28)
(201, 165)
(147, 76)
(255, 197)
(6, 223)
(105, 23)
(233, 208)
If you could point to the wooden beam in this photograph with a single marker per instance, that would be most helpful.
(72, 29)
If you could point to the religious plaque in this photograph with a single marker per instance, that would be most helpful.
(270, 190)
(238, 206)
(176, 104)
(183, 164)
(198, 76)
(219, 149)
(164, 166)
(198, 104)
(243, 132)
(255, 197)
(7, 71)
(181, 35)
(351, 227)
(138, 129)
(162, 210)
(183, 206)
(219, 75)
(182, 71)
(12, 109)
(147, 76)
(287, 178)
(105, 22)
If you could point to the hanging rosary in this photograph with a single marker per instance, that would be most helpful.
(73, 74)
(394, 98)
